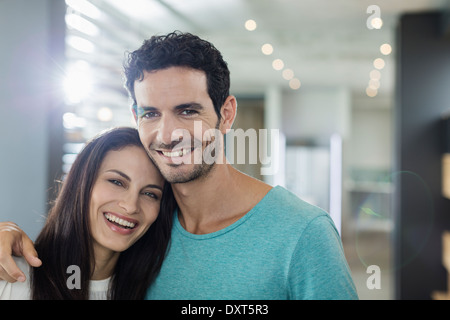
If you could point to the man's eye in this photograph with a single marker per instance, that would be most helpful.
(146, 113)
(189, 112)
(149, 115)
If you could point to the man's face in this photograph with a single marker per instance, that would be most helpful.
(171, 103)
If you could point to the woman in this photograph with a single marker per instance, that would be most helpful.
(111, 222)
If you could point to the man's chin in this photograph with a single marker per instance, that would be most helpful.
(175, 173)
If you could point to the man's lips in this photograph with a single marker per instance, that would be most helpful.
(175, 153)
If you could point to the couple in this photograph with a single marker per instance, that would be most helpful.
(228, 236)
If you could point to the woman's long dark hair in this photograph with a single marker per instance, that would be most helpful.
(66, 238)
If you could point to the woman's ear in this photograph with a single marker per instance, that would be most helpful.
(228, 113)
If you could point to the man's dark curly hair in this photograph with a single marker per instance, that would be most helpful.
(180, 50)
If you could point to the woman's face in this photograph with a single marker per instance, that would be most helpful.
(125, 199)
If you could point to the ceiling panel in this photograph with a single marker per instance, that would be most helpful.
(321, 40)
(324, 42)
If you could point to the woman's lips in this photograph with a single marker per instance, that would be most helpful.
(119, 223)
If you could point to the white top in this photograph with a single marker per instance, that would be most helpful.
(98, 289)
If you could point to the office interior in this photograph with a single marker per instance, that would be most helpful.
(357, 90)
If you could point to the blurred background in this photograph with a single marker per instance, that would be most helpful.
(357, 90)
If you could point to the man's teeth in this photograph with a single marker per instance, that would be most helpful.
(178, 153)
(119, 221)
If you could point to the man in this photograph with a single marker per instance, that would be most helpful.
(234, 237)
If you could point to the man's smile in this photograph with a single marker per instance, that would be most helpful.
(176, 153)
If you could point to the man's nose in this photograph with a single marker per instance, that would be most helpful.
(169, 133)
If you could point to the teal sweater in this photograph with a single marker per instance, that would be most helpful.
(284, 248)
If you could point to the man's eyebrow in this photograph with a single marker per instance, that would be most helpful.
(142, 110)
(190, 105)
(146, 108)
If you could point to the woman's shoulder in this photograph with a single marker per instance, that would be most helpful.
(17, 290)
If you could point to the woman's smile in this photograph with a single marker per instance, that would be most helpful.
(119, 223)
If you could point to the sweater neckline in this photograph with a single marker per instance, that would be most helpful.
(227, 229)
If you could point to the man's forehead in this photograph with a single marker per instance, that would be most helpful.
(174, 86)
(171, 75)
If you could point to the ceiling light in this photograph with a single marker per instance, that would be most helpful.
(72, 121)
(371, 92)
(375, 75)
(78, 82)
(375, 84)
(80, 44)
(376, 23)
(267, 49)
(288, 74)
(250, 25)
(85, 7)
(386, 49)
(105, 114)
(295, 84)
(79, 23)
(278, 64)
(378, 63)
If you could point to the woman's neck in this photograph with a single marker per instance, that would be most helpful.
(105, 262)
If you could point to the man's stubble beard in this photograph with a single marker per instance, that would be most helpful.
(199, 171)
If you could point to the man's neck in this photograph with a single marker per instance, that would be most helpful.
(211, 203)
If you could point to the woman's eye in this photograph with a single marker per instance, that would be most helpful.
(116, 182)
(151, 195)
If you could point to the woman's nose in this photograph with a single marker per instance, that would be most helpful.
(129, 203)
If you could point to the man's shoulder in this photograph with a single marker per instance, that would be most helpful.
(282, 201)
(282, 207)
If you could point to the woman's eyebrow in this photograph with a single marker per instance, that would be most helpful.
(129, 179)
(154, 186)
(120, 173)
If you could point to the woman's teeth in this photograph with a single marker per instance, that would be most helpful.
(120, 222)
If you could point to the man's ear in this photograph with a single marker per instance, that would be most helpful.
(134, 112)
(228, 113)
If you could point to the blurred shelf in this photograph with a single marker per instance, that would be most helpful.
(368, 186)
(372, 225)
